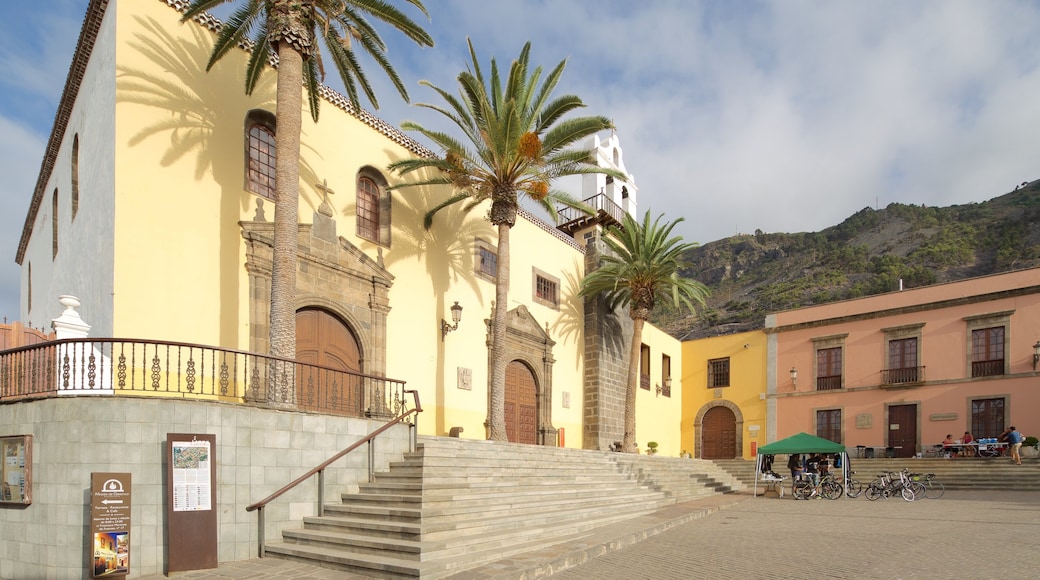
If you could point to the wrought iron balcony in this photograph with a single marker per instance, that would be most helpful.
(987, 368)
(600, 209)
(904, 376)
(828, 383)
(117, 367)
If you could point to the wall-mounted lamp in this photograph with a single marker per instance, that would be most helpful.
(1036, 354)
(667, 385)
(456, 316)
(794, 376)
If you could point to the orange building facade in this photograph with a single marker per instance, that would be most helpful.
(902, 370)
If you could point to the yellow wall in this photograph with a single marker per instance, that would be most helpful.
(180, 196)
(179, 181)
(659, 417)
(747, 354)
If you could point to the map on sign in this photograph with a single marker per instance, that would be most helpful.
(191, 476)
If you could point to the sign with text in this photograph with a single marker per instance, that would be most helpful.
(110, 524)
(191, 501)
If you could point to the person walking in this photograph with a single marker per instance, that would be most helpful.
(1015, 443)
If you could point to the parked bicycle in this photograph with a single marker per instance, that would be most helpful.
(853, 488)
(890, 484)
(933, 488)
(827, 488)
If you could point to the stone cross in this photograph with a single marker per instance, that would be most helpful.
(325, 208)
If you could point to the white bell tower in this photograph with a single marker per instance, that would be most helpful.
(621, 192)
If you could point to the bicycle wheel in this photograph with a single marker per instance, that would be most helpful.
(934, 489)
(908, 493)
(853, 488)
(802, 490)
(874, 492)
(831, 489)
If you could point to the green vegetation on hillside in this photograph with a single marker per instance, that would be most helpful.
(871, 252)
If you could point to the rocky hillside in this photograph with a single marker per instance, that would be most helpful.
(871, 252)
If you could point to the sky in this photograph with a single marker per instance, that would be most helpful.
(783, 116)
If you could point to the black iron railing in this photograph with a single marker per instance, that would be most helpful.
(128, 367)
(987, 368)
(902, 376)
(828, 383)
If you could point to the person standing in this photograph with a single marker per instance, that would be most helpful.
(1015, 443)
(794, 463)
(812, 468)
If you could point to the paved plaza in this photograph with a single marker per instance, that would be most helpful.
(966, 534)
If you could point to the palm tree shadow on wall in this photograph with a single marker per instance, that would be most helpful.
(203, 115)
(571, 322)
(447, 249)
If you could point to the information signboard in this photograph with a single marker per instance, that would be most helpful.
(16, 469)
(110, 524)
(191, 517)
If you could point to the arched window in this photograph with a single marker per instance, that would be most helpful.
(75, 175)
(54, 224)
(368, 209)
(373, 207)
(260, 153)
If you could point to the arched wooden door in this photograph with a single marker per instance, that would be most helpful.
(719, 434)
(521, 404)
(324, 340)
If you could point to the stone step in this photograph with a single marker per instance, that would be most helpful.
(456, 504)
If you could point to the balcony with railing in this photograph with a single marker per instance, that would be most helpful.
(144, 368)
(987, 368)
(902, 377)
(828, 383)
(599, 209)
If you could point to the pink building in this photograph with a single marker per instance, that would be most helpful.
(904, 369)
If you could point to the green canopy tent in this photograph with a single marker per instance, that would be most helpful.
(801, 443)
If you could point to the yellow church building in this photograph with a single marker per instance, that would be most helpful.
(154, 208)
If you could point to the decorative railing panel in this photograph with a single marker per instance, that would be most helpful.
(902, 376)
(166, 369)
(828, 383)
(987, 368)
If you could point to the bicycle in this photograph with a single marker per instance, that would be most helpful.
(853, 488)
(827, 488)
(889, 484)
(933, 488)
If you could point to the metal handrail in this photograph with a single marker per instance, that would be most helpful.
(320, 470)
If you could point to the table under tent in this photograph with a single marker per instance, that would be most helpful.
(800, 443)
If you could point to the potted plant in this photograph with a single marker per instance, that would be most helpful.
(651, 447)
(1029, 447)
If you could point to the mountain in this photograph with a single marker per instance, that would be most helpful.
(871, 252)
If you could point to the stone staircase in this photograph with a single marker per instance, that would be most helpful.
(960, 473)
(456, 504)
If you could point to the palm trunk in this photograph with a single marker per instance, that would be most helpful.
(635, 357)
(497, 421)
(287, 189)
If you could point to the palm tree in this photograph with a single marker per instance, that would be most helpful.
(515, 145)
(644, 265)
(290, 29)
